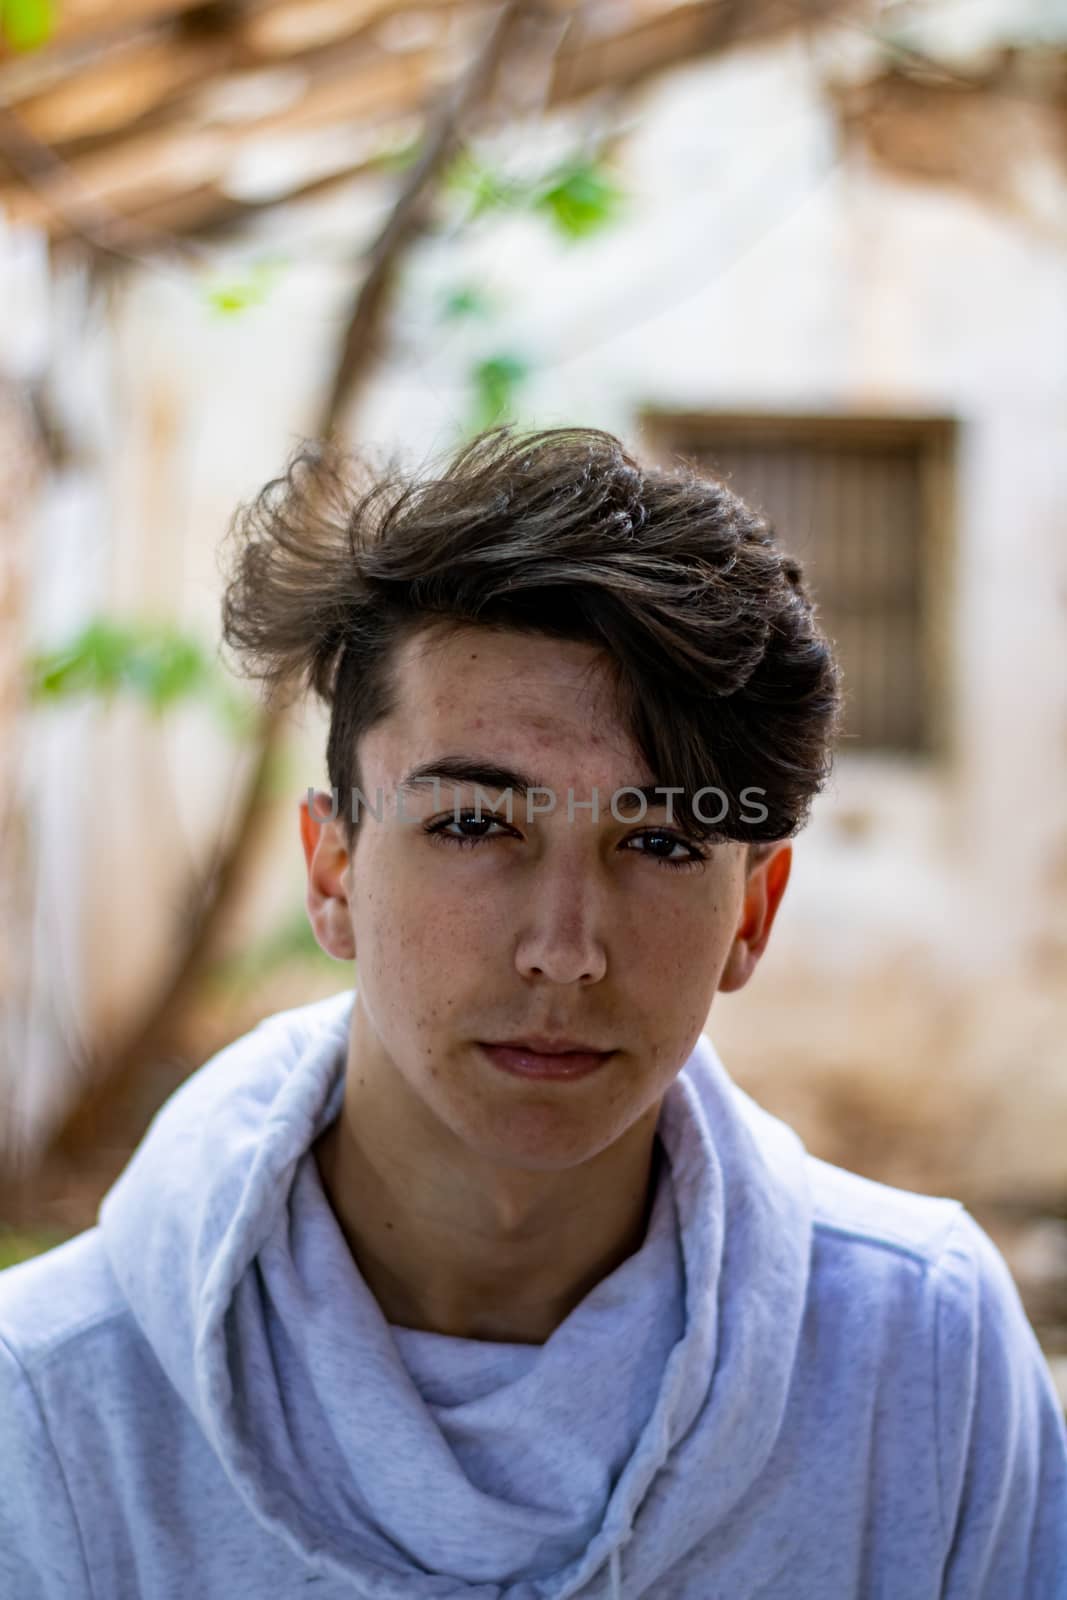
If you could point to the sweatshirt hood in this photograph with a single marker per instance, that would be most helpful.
(649, 1411)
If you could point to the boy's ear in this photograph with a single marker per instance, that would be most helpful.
(327, 859)
(767, 875)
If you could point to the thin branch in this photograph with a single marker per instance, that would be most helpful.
(359, 341)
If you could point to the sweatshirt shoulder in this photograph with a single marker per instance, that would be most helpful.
(858, 1213)
(52, 1299)
(917, 1262)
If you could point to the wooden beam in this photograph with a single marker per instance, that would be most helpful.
(156, 167)
(263, 33)
(294, 28)
(167, 78)
(662, 39)
(181, 141)
(108, 95)
(78, 20)
(208, 210)
(144, 83)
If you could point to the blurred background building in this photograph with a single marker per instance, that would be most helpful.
(818, 247)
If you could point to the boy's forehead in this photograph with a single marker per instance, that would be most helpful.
(506, 696)
(530, 685)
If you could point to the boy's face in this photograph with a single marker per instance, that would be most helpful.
(546, 925)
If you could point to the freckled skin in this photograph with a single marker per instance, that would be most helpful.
(545, 926)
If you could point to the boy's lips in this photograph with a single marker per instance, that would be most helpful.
(527, 1063)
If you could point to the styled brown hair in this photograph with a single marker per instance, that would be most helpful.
(723, 675)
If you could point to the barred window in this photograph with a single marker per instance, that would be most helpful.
(864, 504)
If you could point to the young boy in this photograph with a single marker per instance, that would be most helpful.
(481, 1279)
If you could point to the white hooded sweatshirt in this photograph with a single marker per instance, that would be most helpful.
(803, 1386)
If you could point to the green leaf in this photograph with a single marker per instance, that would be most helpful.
(165, 668)
(580, 198)
(91, 663)
(155, 661)
(465, 302)
(229, 297)
(233, 297)
(485, 189)
(496, 382)
(27, 24)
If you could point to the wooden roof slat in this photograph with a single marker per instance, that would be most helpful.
(209, 208)
(374, 85)
(295, 27)
(133, 79)
(180, 137)
(78, 20)
(663, 37)
(157, 165)
(142, 82)
(165, 164)
(106, 97)
(268, 30)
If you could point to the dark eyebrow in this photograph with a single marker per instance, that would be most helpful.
(491, 775)
(469, 769)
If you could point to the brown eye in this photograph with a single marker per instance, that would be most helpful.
(466, 819)
(695, 858)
